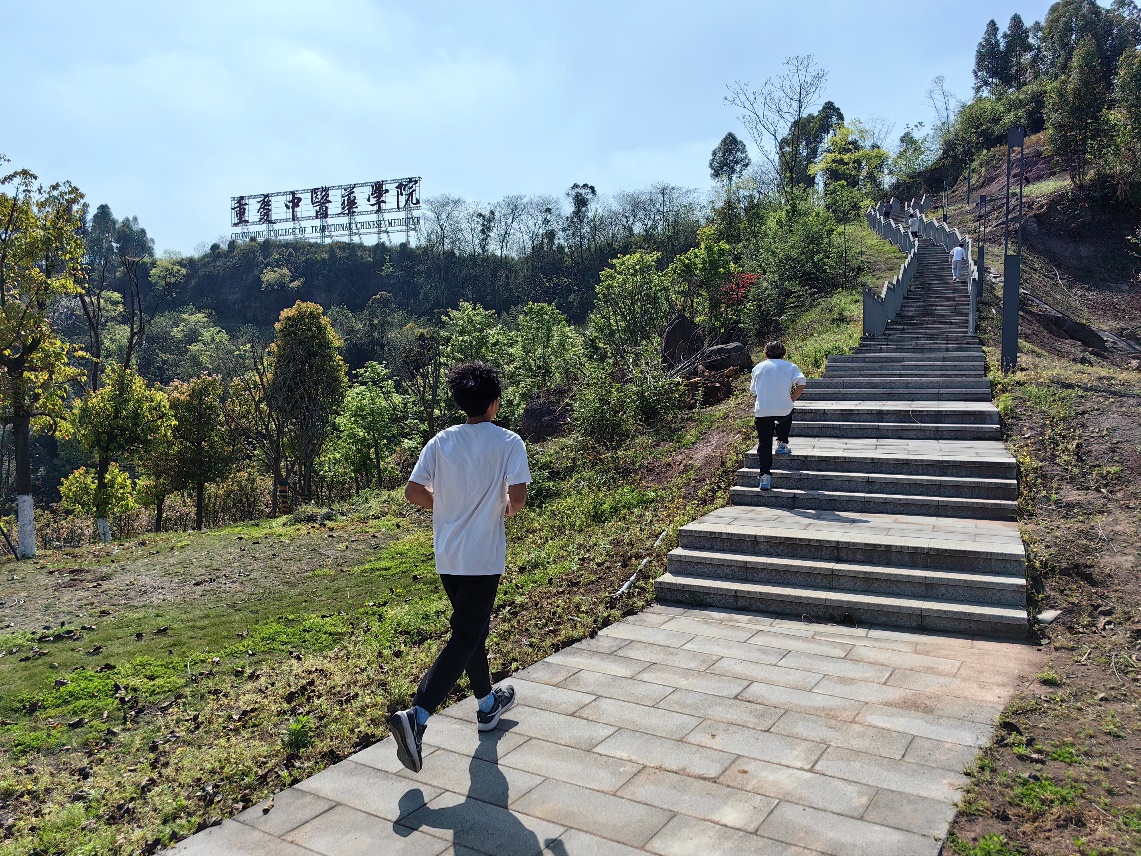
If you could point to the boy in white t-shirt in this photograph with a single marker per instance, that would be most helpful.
(777, 384)
(470, 476)
(957, 256)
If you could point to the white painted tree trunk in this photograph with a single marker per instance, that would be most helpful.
(104, 529)
(25, 526)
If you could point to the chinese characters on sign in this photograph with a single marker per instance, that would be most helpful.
(366, 208)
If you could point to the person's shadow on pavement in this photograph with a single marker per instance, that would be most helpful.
(482, 821)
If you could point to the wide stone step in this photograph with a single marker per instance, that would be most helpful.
(887, 346)
(953, 458)
(845, 607)
(970, 357)
(928, 412)
(976, 382)
(896, 430)
(882, 394)
(940, 374)
(991, 589)
(877, 503)
(881, 483)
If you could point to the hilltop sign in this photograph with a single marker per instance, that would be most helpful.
(343, 210)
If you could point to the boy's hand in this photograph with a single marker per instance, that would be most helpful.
(516, 499)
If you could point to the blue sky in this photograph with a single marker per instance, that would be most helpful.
(165, 110)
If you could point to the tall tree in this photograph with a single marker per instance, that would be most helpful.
(119, 421)
(41, 254)
(306, 387)
(989, 61)
(773, 117)
(1016, 48)
(100, 263)
(1074, 121)
(729, 161)
(201, 451)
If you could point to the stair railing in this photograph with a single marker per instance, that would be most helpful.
(881, 307)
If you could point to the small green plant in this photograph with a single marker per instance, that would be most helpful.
(1048, 677)
(989, 845)
(1042, 794)
(1111, 725)
(1066, 753)
(298, 734)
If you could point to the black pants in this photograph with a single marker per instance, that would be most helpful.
(472, 599)
(766, 426)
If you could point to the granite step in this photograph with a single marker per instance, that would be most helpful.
(896, 430)
(877, 503)
(887, 393)
(919, 412)
(1000, 589)
(921, 381)
(881, 483)
(845, 607)
(932, 458)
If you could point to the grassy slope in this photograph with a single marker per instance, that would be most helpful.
(225, 666)
(1062, 774)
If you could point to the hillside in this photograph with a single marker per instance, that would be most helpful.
(1061, 775)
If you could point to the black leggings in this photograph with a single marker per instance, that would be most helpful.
(472, 599)
(766, 427)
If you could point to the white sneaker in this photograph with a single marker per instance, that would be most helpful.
(766, 482)
(783, 449)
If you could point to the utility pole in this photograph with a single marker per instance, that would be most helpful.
(1012, 264)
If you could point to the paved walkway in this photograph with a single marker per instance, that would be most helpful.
(676, 732)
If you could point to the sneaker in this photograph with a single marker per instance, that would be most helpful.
(409, 736)
(766, 482)
(504, 699)
(783, 449)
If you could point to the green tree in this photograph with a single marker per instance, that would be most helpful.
(702, 275)
(1074, 123)
(307, 383)
(121, 420)
(372, 419)
(846, 160)
(990, 67)
(100, 264)
(200, 447)
(472, 334)
(1016, 50)
(41, 253)
(417, 360)
(77, 491)
(729, 161)
(546, 351)
(634, 306)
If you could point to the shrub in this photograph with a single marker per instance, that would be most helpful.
(604, 410)
(655, 395)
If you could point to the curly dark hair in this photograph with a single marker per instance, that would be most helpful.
(474, 386)
(775, 350)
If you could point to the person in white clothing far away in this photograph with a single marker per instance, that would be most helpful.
(958, 256)
(913, 225)
(777, 384)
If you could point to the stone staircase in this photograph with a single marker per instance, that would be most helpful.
(896, 506)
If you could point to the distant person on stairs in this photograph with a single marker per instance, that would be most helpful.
(777, 384)
(957, 256)
(913, 225)
(470, 477)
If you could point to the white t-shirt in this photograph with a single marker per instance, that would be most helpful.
(772, 382)
(468, 469)
(958, 254)
(913, 224)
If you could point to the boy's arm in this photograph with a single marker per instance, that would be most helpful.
(418, 494)
(797, 391)
(516, 498)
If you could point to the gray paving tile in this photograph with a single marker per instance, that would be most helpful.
(746, 713)
(805, 702)
(660, 654)
(559, 699)
(546, 672)
(687, 836)
(808, 645)
(571, 765)
(915, 814)
(606, 815)
(738, 740)
(874, 692)
(610, 664)
(235, 839)
(927, 725)
(464, 738)
(601, 644)
(612, 686)
(653, 635)
(648, 618)
(703, 682)
(930, 782)
(483, 827)
(737, 650)
(639, 717)
(369, 790)
(284, 811)
(652, 751)
(778, 675)
(977, 689)
(554, 727)
(904, 660)
(487, 781)
(799, 786)
(936, 753)
(835, 666)
(716, 629)
(344, 831)
(818, 729)
(974, 711)
(382, 756)
(843, 836)
(699, 798)
(575, 842)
